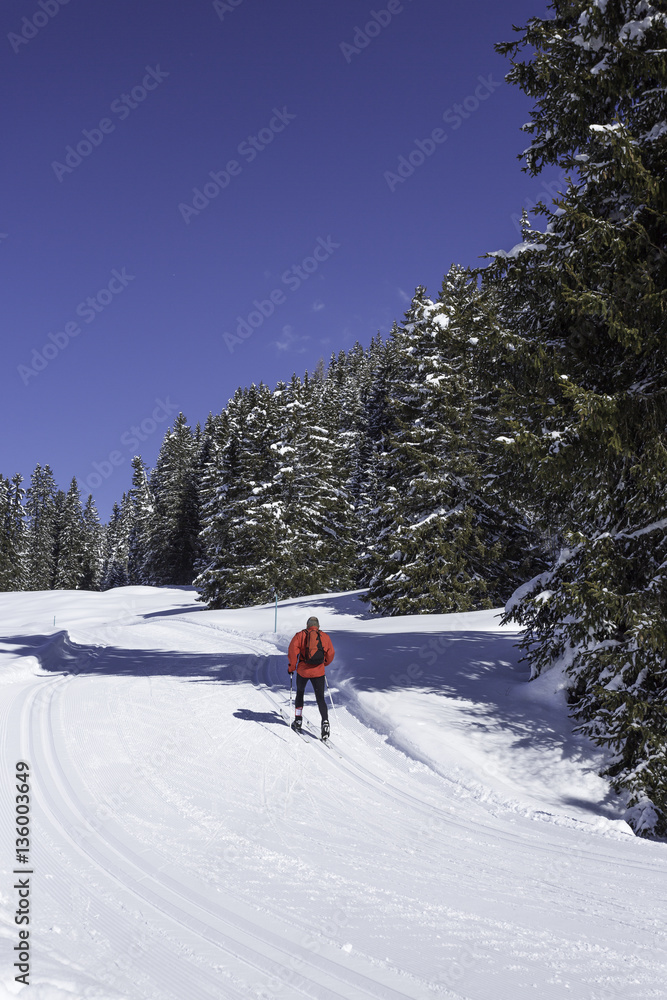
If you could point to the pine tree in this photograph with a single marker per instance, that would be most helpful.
(587, 301)
(116, 545)
(346, 392)
(70, 546)
(449, 540)
(142, 512)
(6, 561)
(93, 547)
(41, 532)
(316, 546)
(277, 514)
(242, 520)
(174, 524)
(369, 483)
(12, 534)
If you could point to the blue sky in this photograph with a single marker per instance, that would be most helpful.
(197, 196)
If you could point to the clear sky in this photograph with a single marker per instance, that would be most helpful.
(200, 195)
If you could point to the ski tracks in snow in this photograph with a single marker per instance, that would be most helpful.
(191, 846)
(193, 944)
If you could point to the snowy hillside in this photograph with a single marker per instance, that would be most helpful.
(453, 841)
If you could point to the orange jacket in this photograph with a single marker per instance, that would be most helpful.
(295, 653)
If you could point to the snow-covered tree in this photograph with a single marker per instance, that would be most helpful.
(277, 513)
(41, 530)
(116, 546)
(237, 524)
(12, 534)
(93, 547)
(174, 523)
(142, 511)
(449, 538)
(71, 542)
(310, 483)
(586, 301)
(369, 480)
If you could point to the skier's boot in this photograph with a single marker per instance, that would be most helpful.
(297, 725)
(325, 729)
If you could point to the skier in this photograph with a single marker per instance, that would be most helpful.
(310, 651)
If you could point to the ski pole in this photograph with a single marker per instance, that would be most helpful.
(332, 701)
(291, 680)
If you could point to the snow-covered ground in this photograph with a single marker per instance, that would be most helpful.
(454, 841)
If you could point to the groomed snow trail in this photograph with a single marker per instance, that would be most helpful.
(454, 841)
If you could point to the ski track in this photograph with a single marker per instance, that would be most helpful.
(188, 854)
(133, 872)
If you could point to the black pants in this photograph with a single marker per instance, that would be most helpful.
(318, 688)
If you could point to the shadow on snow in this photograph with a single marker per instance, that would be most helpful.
(478, 668)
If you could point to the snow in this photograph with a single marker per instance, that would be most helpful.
(656, 132)
(442, 320)
(635, 31)
(518, 249)
(456, 841)
(647, 530)
(600, 67)
(592, 44)
(525, 589)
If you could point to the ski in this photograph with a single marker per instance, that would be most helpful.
(325, 742)
(330, 746)
(309, 733)
(289, 724)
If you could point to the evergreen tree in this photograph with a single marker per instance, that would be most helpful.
(316, 545)
(278, 515)
(116, 545)
(242, 519)
(12, 534)
(369, 478)
(449, 539)
(71, 540)
(41, 532)
(142, 511)
(174, 524)
(586, 300)
(93, 547)
(209, 447)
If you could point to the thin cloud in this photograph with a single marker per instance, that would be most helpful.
(291, 341)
